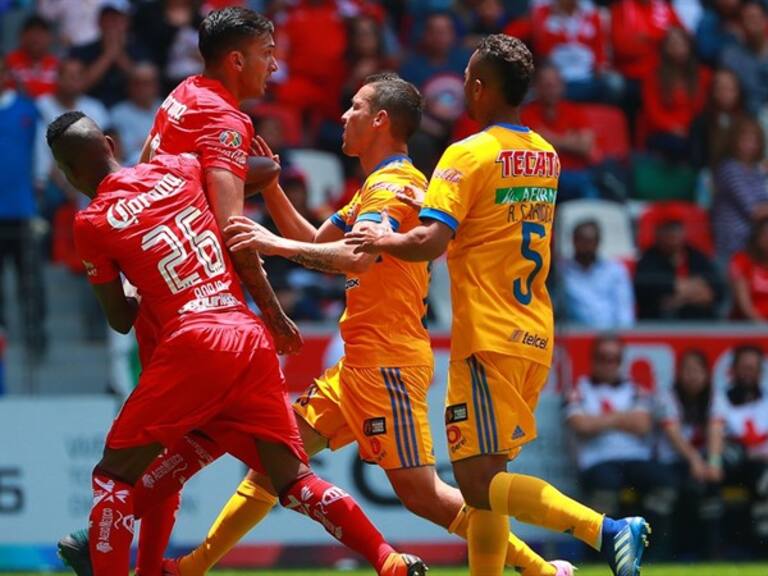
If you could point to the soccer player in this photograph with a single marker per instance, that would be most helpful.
(491, 203)
(201, 116)
(376, 395)
(214, 367)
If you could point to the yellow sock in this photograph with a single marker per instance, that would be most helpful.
(519, 554)
(246, 508)
(487, 542)
(535, 501)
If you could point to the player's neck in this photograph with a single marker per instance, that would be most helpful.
(502, 115)
(110, 167)
(222, 79)
(376, 154)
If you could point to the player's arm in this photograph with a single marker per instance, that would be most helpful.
(421, 244)
(334, 257)
(225, 195)
(121, 310)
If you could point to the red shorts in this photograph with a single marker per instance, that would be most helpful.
(222, 378)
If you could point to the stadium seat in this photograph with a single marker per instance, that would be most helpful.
(694, 218)
(288, 117)
(325, 177)
(615, 226)
(611, 131)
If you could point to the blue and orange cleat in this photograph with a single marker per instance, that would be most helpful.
(73, 551)
(624, 542)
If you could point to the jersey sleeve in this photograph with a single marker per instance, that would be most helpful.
(340, 217)
(450, 192)
(98, 266)
(224, 141)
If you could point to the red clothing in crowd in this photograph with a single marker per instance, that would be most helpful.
(637, 29)
(756, 277)
(567, 117)
(677, 114)
(315, 69)
(34, 78)
(572, 42)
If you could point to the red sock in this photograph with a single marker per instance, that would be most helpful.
(166, 476)
(110, 531)
(154, 535)
(339, 514)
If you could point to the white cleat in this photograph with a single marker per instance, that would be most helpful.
(563, 568)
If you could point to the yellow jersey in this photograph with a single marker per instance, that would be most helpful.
(383, 323)
(496, 189)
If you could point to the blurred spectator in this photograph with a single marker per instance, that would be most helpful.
(437, 70)
(749, 276)
(597, 293)
(365, 54)
(168, 30)
(741, 194)
(720, 26)
(109, 59)
(674, 280)
(749, 57)
(569, 34)
(301, 292)
(638, 28)
(673, 95)
(133, 118)
(67, 97)
(739, 438)
(485, 17)
(19, 240)
(314, 71)
(566, 127)
(77, 21)
(685, 415)
(33, 66)
(610, 417)
(710, 130)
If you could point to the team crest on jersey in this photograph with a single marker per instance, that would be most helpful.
(230, 138)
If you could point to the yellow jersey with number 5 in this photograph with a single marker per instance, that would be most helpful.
(497, 189)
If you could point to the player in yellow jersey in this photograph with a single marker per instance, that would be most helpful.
(491, 204)
(376, 395)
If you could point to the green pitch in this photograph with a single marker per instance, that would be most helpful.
(677, 570)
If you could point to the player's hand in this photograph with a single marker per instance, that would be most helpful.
(286, 335)
(244, 234)
(365, 240)
(259, 147)
(412, 196)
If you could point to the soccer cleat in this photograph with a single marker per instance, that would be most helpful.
(73, 551)
(171, 567)
(403, 565)
(563, 568)
(624, 542)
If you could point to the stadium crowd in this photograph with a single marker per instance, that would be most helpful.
(659, 111)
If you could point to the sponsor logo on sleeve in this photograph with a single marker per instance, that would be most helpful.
(450, 175)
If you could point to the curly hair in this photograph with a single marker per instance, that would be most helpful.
(511, 62)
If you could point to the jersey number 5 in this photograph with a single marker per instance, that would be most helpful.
(205, 245)
(529, 228)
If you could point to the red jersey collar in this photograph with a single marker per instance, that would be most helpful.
(216, 87)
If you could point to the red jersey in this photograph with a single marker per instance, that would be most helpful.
(152, 223)
(201, 117)
(756, 276)
(35, 78)
(567, 117)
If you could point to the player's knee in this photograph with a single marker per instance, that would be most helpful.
(313, 441)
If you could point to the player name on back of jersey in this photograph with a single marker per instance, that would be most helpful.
(125, 211)
(534, 200)
(173, 108)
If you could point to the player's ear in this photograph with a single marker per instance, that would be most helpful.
(237, 60)
(111, 143)
(381, 118)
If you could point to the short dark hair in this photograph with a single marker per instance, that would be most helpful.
(61, 125)
(36, 21)
(223, 30)
(401, 99)
(743, 349)
(511, 62)
(591, 223)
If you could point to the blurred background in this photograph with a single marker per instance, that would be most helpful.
(658, 400)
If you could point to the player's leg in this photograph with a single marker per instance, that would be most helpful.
(321, 425)
(302, 491)
(248, 506)
(111, 519)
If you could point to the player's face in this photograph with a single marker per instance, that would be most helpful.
(257, 66)
(358, 123)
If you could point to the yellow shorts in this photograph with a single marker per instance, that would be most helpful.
(383, 409)
(490, 403)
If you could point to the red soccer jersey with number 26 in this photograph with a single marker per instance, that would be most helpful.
(153, 224)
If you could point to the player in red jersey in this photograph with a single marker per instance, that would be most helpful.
(214, 367)
(201, 116)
